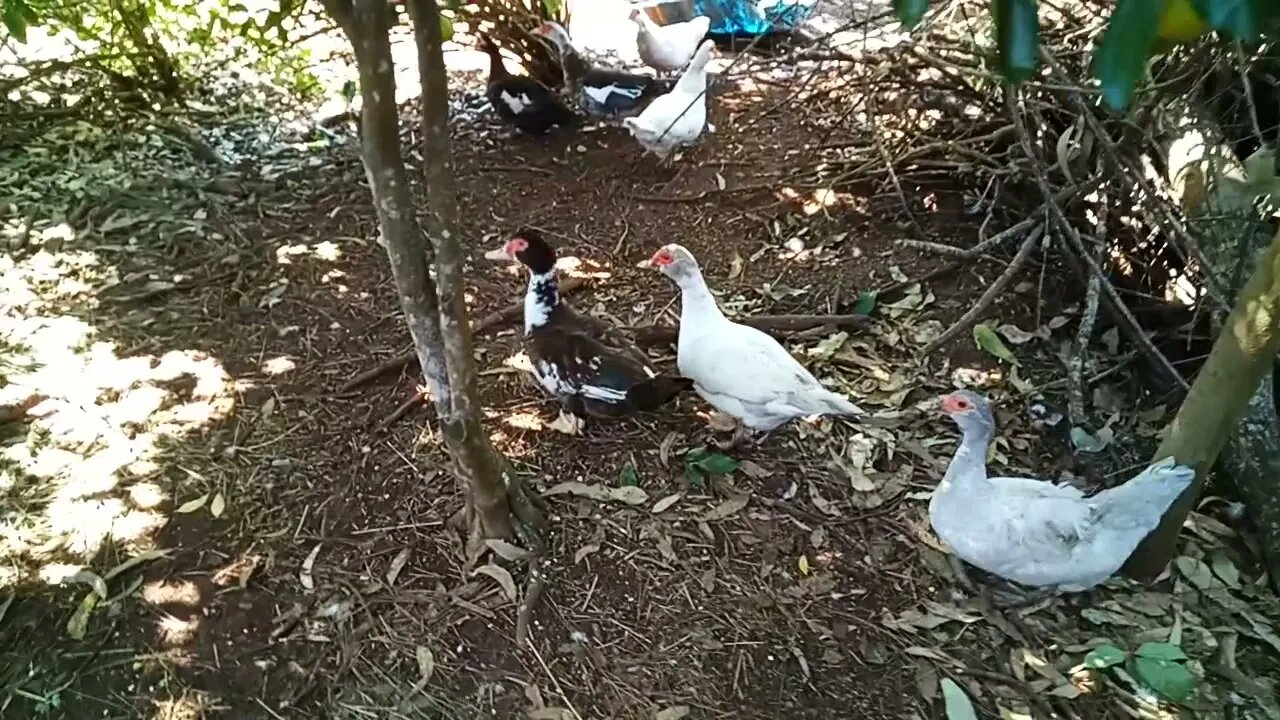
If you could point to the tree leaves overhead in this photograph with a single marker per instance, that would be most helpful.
(1122, 58)
(1238, 18)
(910, 12)
(1018, 37)
(17, 16)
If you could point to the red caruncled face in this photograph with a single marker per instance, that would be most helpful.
(516, 245)
(955, 404)
(663, 258)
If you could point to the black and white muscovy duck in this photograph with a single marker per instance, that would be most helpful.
(522, 101)
(582, 361)
(602, 92)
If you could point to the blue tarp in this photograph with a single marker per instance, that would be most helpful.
(743, 17)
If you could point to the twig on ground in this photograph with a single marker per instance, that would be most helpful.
(1075, 369)
(537, 582)
(488, 322)
(988, 297)
(418, 399)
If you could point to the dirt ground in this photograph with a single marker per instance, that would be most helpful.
(329, 586)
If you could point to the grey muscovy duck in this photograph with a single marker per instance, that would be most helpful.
(1035, 532)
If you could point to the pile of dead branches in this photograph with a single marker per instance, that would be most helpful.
(510, 24)
(1156, 211)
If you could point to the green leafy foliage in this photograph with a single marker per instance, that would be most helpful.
(956, 702)
(628, 476)
(866, 303)
(987, 340)
(701, 462)
(910, 12)
(1017, 37)
(1160, 667)
(1122, 57)
(1104, 656)
(18, 16)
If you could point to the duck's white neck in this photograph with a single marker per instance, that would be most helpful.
(969, 464)
(697, 304)
(540, 299)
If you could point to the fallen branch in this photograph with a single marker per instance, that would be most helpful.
(988, 297)
(488, 322)
(650, 335)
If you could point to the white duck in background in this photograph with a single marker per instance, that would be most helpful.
(667, 48)
(1036, 532)
(737, 369)
(676, 119)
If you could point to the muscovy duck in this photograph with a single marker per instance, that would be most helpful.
(667, 48)
(1036, 532)
(602, 92)
(739, 370)
(522, 101)
(675, 120)
(583, 362)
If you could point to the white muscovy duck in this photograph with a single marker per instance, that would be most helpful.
(582, 361)
(667, 48)
(1036, 532)
(739, 370)
(675, 120)
(601, 92)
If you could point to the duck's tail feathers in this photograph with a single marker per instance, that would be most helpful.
(657, 391)
(1142, 501)
(837, 404)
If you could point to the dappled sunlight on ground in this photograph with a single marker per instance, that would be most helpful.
(84, 457)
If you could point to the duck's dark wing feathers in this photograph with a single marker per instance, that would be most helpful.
(523, 100)
(603, 332)
(614, 92)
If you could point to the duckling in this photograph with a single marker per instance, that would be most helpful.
(582, 361)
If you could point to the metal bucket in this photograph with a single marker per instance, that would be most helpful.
(670, 11)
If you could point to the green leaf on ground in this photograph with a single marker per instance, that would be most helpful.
(866, 303)
(628, 476)
(1161, 651)
(1104, 656)
(1169, 678)
(1122, 58)
(715, 463)
(989, 341)
(956, 702)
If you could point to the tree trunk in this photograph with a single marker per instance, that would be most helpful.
(496, 491)
(1230, 232)
(1242, 355)
(434, 308)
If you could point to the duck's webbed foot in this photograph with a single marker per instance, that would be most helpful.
(568, 423)
(719, 424)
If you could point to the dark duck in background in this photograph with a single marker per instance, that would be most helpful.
(583, 362)
(522, 101)
(602, 92)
